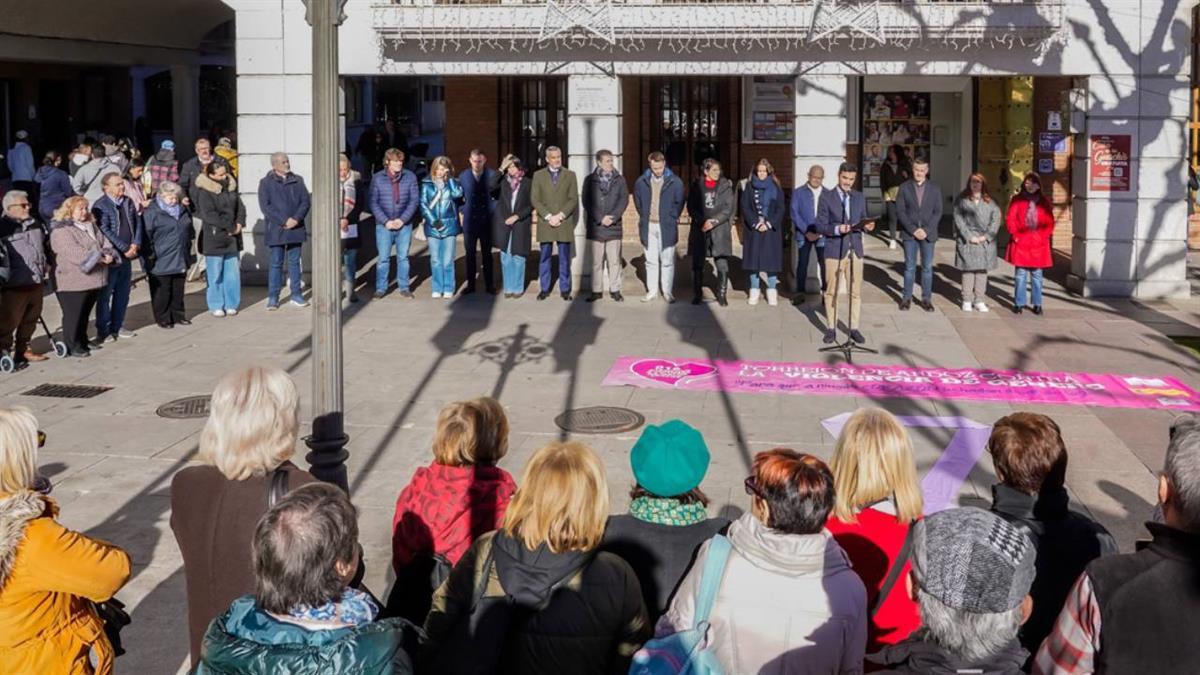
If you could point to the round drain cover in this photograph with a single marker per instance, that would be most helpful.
(599, 420)
(185, 408)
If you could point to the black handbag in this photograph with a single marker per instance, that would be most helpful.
(114, 617)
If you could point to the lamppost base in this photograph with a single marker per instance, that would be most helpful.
(327, 459)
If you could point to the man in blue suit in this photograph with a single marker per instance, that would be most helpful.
(478, 205)
(838, 215)
(805, 199)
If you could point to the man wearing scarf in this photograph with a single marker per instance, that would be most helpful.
(605, 198)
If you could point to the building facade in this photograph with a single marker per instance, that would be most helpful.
(1094, 96)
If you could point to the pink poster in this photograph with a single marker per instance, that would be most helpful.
(1110, 391)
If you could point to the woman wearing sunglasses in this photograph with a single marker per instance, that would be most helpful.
(789, 600)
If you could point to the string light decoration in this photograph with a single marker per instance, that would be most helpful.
(568, 31)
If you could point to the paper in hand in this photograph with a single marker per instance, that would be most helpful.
(350, 232)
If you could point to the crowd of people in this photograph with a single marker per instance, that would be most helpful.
(166, 215)
(835, 568)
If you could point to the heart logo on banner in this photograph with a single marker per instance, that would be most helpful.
(671, 372)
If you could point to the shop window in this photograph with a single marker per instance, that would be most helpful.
(686, 122)
(893, 118)
(538, 119)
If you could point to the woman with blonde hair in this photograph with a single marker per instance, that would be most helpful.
(877, 499)
(50, 577)
(440, 193)
(245, 452)
(82, 257)
(447, 505)
(501, 609)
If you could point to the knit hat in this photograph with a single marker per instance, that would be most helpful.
(972, 560)
(669, 459)
(167, 145)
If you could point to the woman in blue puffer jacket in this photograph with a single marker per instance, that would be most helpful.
(440, 195)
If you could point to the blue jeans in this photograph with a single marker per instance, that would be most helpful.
(275, 276)
(545, 279)
(224, 273)
(114, 299)
(911, 247)
(1019, 280)
(441, 263)
(806, 250)
(384, 240)
(772, 280)
(350, 266)
(512, 270)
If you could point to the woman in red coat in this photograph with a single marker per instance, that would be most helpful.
(1030, 226)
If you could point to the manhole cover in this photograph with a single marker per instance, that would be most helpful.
(185, 408)
(66, 391)
(601, 419)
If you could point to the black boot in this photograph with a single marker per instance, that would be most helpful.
(697, 287)
(722, 282)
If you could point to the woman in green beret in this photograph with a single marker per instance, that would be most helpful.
(668, 516)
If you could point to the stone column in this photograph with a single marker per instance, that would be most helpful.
(593, 123)
(1132, 242)
(822, 129)
(185, 106)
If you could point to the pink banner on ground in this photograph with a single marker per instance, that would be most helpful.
(1010, 386)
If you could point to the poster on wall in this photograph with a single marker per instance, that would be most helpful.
(897, 118)
(1108, 170)
(771, 112)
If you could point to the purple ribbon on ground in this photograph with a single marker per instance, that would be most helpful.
(945, 478)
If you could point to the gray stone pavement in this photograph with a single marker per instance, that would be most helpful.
(111, 459)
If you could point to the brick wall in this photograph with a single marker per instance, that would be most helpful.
(472, 118)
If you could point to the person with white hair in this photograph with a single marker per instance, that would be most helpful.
(245, 454)
(1135, 613)
(971, 575)
(168, 253)
(50, 576)
(24, 268)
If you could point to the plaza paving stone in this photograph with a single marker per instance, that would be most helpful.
(111, 458)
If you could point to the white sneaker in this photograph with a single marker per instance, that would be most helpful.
(891, 244)
(981, 306)
(669, 298)
(448, 296)
(231, 312)
(772, 297)
(299, 303)
(966, 306)
(219, 313)
(649, 297)
(754, 294)
(435, 296)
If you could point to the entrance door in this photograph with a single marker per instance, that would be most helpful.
(687, 123)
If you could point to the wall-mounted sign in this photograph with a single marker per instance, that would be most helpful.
(1054, 121)
(1045, 165)
(1108, 170)
(1052, 142)
(771, 109)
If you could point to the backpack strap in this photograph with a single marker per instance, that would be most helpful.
(893, 574)
(710, 582)
(278, 488)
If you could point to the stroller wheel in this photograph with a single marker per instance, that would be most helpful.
(60, 348)
(7, 365)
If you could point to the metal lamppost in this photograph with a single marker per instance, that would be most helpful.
(327, 444)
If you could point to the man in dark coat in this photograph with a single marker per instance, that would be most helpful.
(805, 200)
(710, 207)
(188, 173)
(839, 215)
(658, 197)
(119, 221)
(284, 201)
(393, 201)
(24, 268)
(1136, 612)
(919, 207)
(605, 198)
(478, 208)
(1031, 462)
(971, 574)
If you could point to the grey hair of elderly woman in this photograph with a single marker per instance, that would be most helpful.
(169, 188)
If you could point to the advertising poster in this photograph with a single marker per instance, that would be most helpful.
(772, 109)
(1108, 170)
(898, 118)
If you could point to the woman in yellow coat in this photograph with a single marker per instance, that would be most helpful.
(49, 576)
